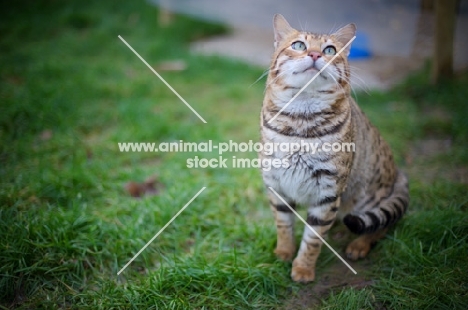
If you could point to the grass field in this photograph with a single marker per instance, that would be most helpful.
(70, 90)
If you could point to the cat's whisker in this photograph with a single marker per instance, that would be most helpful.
(300, 24)
(336, 82)
(358, 82)
(334, 75)
(279, 75)
(265, 73)
(353, 89)
(333, 29)
(356, 75)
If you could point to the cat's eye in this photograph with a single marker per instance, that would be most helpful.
(298, 46)
(329, 50)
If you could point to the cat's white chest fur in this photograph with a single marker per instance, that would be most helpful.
(298, 182)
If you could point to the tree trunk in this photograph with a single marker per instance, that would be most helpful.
(445, 17)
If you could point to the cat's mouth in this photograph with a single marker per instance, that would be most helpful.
(314, 70)
(308, 69)
(311, 68)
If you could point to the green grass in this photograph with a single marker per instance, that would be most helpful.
(70, 90)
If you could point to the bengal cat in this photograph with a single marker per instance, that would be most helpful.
(363, 186)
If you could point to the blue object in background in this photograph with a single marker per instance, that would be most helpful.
(360, 48)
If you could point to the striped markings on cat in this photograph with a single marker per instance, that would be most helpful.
(312, 79)
(161, 230)
(313, 230)
(163, 80)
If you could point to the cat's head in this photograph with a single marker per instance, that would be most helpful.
(300, 55)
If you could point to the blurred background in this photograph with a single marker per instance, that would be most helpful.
(394, 37)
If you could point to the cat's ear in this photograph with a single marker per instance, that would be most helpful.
(345, 34)
(281, 27)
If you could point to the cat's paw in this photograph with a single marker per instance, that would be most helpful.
(358, 248)
(285, 254)
(302, 274)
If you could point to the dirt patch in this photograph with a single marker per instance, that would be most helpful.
(426, 148)
(334, 277)
(422, 163)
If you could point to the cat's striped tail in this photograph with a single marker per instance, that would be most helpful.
(387, 212)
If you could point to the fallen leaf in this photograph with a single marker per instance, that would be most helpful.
(139, 189)
(46, 135)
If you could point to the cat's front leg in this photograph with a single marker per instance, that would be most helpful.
(284, 219)
(320, 218)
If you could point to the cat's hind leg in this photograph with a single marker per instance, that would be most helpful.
(374, 219)
(360, 247)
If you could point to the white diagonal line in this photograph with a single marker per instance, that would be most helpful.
(313, 230)
(311, 80)
(160, 231)
(163, 80)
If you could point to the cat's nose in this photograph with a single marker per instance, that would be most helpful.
(315, 55)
